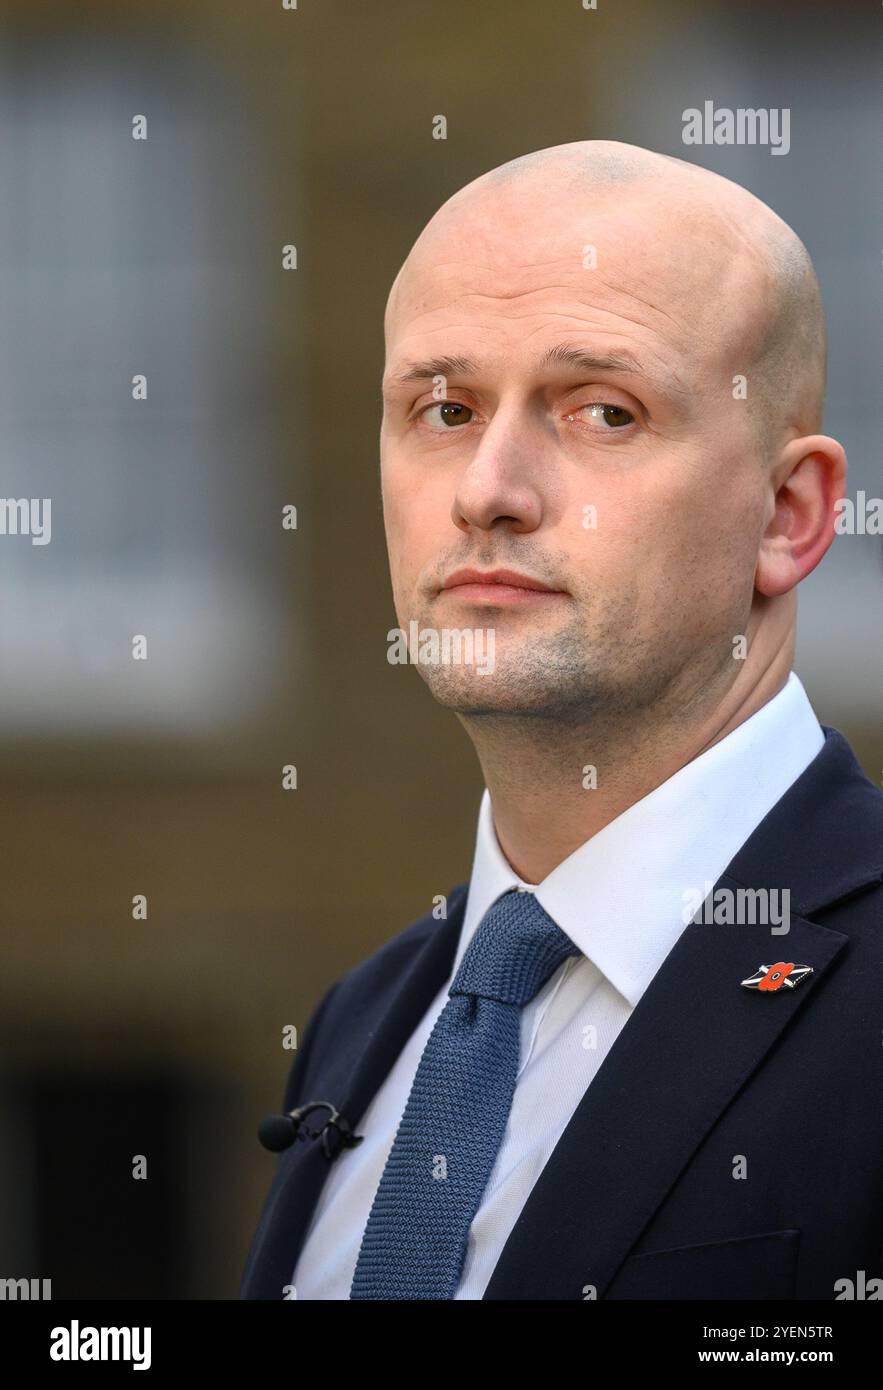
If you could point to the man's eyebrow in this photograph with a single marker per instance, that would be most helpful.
(433, 366)
(559, 356)
(621, 361)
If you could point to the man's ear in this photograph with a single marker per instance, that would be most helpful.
(804, 485)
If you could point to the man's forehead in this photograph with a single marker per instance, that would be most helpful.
(672, 273)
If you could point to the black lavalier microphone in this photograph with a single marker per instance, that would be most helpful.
(278, 1132)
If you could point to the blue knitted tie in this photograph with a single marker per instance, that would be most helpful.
(450, 1133)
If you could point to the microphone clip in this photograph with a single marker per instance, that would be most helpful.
(278, 1132)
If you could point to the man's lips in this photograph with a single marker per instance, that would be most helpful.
(497, 587)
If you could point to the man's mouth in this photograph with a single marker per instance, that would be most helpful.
(498, 587)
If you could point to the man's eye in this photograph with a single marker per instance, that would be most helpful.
(451, 413)
(613, 415)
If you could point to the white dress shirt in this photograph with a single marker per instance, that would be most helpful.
(620, 898)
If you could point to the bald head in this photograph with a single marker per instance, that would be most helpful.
(605, 371)
(722, 260)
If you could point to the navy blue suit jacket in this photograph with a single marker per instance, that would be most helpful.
(638, 1199)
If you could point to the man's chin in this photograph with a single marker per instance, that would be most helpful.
(473, 695)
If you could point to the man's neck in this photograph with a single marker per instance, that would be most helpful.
(544, 802)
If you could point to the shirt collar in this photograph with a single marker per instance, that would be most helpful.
(620, 896)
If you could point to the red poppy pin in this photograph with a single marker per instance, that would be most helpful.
(773, 977)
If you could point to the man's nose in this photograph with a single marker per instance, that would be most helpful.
(500, 482)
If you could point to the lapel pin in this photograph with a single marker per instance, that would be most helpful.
(773, 977)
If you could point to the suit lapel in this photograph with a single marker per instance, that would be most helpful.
(361, 1061)
(693, 1040)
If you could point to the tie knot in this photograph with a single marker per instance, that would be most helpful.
(517, 946)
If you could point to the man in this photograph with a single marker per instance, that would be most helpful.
(640, 1056)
